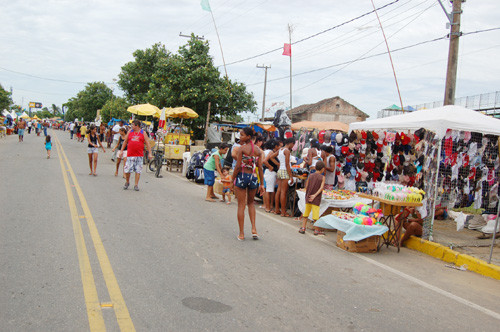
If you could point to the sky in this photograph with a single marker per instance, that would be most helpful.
(52, 48)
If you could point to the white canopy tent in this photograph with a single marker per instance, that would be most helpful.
(438, 120)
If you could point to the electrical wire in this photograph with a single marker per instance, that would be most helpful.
(339, 42)
(47, 78)
(314, 35)
(364, 58)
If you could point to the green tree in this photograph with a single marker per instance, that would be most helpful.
(56, 110)
(135, 77)
(88, 101)
(115, 108)
(190, 79)
(5, 99)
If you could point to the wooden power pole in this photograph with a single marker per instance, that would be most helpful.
(451, 73)
(265, 84)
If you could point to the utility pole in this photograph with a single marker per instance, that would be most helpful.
(451, 72)
(187, 36)
(207, 123)
(265, 84)
(290, 30)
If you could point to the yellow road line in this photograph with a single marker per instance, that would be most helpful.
(122, 314)
(94, 313)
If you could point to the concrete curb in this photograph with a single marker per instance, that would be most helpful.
(446, 254)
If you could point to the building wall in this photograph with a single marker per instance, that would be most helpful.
(336, 110)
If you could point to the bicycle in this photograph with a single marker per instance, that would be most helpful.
(156, 163)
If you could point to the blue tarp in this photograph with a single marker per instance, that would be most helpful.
(113, 121)
(353, 232)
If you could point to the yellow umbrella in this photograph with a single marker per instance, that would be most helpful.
(36, 118)
(24, 116)
(158, 115)
(181, 112)
(143, 109)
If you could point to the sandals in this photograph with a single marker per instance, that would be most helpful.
(285, 215)
(255, 236)
(319, 232)
(302, 230)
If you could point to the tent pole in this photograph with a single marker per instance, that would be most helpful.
(494, 233)
(433, 211)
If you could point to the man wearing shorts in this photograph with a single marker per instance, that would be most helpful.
(21, 125)
(116, 136)
(134, 142)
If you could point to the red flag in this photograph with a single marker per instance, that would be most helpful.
(287, 49)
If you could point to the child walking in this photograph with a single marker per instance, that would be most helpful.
(226, 183)
(48, 145)
(314, 192)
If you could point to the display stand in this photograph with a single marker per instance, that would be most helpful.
(390, 209)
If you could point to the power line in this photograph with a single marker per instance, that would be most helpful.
(47, 78)
(314, 35)
(352, 61)
(364, 58)
(340, 41)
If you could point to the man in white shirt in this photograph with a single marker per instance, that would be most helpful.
(72, 129)
(116, 137)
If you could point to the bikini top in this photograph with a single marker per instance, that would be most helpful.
(249, 162)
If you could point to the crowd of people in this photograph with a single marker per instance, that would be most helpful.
(264, 167)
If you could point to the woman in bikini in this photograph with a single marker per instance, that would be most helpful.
(244, 180)
(93, 148)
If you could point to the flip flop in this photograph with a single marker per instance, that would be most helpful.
(255, 236)
(238, 237)
(285, 215)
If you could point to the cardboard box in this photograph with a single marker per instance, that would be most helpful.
(174, 151)
(367, 245)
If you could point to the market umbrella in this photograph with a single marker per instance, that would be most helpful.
(25, 116)
(143, 109)
(181, 112)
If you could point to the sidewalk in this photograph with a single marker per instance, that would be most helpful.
(460, 248)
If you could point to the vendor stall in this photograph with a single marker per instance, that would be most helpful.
(328, 201)
(452, 151)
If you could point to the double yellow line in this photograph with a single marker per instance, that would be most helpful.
(94, 312)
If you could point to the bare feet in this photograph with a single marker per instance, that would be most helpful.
(209, 200)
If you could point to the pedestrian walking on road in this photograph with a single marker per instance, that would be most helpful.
(72, 129)
(93, 149)
(244, 180)
(121, 155)
(116, 136)
(134, 143)
(45, 127)
(48, 145)
(83, 132)
(21, 125)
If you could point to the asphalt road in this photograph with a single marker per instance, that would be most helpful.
(78, 252)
